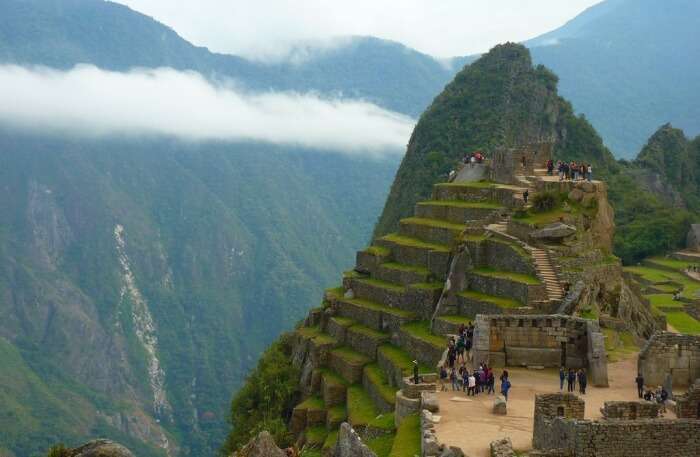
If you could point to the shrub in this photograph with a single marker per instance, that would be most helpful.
(58, 450)
(545, 201)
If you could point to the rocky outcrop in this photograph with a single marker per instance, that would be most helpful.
(554, 232)
(100, 448)
(350, 445)
(261, 446)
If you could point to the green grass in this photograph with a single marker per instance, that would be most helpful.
(331, 439)
(407, 441)
(406, 268)
(663, 301)
(312, 403)
(437, 223)
(401, 359)
(462, 204)
(517, 277)
(683, 322)
(343, 321)
(536, 219)
(352, 274)
(336, 292)
(378, 251)
(337, 414)
(315, 334)
(361, 409)
(473, 238)
(428, 285)
(350, 355)
(457, 319)
(369, 332)
(679, 265)
(473, 184)
(649, 274)
(589, 314)
(377, 377)
(332, 377)
(414, 242)
(514, 246)
(421, 330)
(379, 307)
(381, 445)
(383, 284)
(316, 436)
(310, 452)
(383, 422)
(501, 302)
(618, 344)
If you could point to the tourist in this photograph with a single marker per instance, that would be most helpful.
(523, 161)
(453, 379)
(562, 377)
(589, 173)
(571, 381)
(451, 353)
(460, 349)
(491, 381)
(505, 385)
(468, 348)
(640, 384)
(526, 194)
(471, 386)
(560, 169)
(567, 171)
(443, 378)
(416, 378)
(470, 330)
(582, 381)
(451, 176)
(550, 167)
(648, 395)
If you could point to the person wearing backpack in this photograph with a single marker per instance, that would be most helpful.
(505, 386)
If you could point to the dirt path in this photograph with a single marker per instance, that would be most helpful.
(471, 425)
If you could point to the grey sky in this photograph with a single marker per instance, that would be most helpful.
(443, 28)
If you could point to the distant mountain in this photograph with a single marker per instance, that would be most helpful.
(629, 66)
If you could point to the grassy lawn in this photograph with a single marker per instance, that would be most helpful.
(379, 307)
(351, 356)
(683, 322)
(428, 285)
(401, 359)
(316, 436)
(331, 439)
(315, 334)
(379, 251)
(361, 410)
(437, 223)
(679, 265)
(369, 332)
(457, 319)
(337, 414)
(473, 184)
(332, 377)
(407, 441)
(517, 277)
(404, 267)
(383, 284)
(501, 302)
(421, 330)
(312, 403)
(462, 204)
(381, 445)
(308, 452)
(663, 301)
(335, 292)
(649, 274)
(415, 243)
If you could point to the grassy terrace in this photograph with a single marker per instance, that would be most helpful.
(436, 223)
(649, 274)
(498, 301)
(406, 268)
(414, 242)
(669, 263)
(361, 410)
(457, 319)
(472, 184)
(663, 301)
(401, 359)
(517, 277)
(378, 251)
(368, 332)
(335, 292)
(381, 445)
(333, 377)
(683, 322)
(377, 377)
(540, 218)
(331, 439)
(618, 345)
(407, 441)
(316, 436)
(315, 334)
(473, 238)
(462, 204)
(382, 284)
(337, 414)
(374, 306)
(421, 331)
(343, 321)
(312, 403)
(351, 356)
(427, 285)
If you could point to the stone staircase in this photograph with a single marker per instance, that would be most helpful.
(546, 271)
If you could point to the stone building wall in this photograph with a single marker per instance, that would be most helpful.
(670, 353)
(540, 340)
(631, 410)
(550, 431)
(688, 404)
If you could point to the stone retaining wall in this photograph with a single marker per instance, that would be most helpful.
(688, 404)
(548, 432)
(670, 353)
(631, 410)
(499, 254)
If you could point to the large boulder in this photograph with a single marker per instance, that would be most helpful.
(261, 446)
(100, 448)
(555, 231)
(349, 444)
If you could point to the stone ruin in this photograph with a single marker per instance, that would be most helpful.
(688, 404)
(541, 341)
(671, 354)
(627, 429)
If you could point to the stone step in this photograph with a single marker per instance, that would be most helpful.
(430, 230)
(368, 260)
(333, 388)
(403, 274)
(522, 288)
(417, 340)
(476, 192)
(456, 211)
(348, 363)
(372, 314)
(471, 303)
(397, 364)
(309, 413)
(376, 383)
(412, 251)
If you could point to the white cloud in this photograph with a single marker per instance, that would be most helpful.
(268, 29)
(88, 101)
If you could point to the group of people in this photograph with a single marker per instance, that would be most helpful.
(660, 395)
(570, 171)
(570, 377)
(473, 158)
(481, 379)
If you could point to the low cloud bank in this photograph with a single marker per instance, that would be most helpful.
(91, 102)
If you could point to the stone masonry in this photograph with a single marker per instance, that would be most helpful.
(670, 353)
(549, 407)
(688, 404)
(631, 410)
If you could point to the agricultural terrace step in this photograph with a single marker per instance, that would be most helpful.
(412, 251)
(449, 325)
(419, 298)
(523, 288)
(337, 327)
(478, 191)
(374, 315)
(377, 386)
(364, 415)
(309, 413)
(333, 388)
(430, 230)
(368, 260)
(472, 302)
(408, 438)
(315, 436)
(416, 339)
(397, 364)
(348, 363)
(365, 340)
(400, 273)
(456, 211)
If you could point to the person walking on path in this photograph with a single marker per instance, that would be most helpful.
(571, 381)
(465, 380)
(491, 380)
(550, 167)
(640, 384)
(443, 378)
(526, 194)
(453, 379)
(589, 173)
(562, 377)
(582, 381)
(472, 385)
(505, 385)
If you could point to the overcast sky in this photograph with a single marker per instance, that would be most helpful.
(443, 28)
